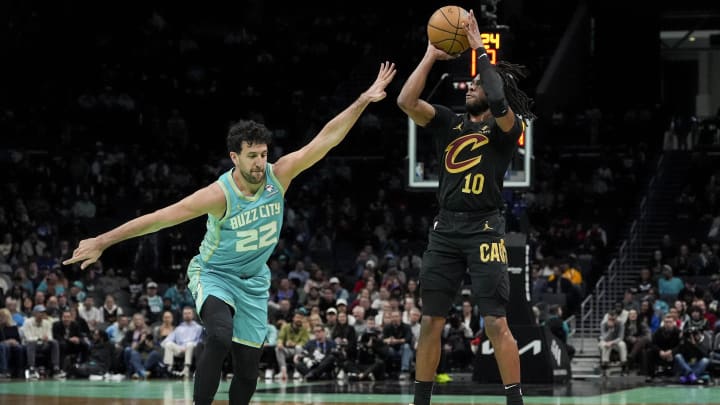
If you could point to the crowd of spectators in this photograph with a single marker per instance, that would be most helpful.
(668, 324)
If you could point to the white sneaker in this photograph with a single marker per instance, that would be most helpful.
(341, 375)
(117, 377)
(95, 377)
(269, 374)
(297, 375)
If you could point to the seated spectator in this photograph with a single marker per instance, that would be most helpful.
(100, 357)
(342, 306)
(91, 314)
(50, 285)
(331, 316)
(692, 357)
(139, 349)
(612, 335)
(557, 284)
(665, 343)
(571, 273)
(117, 331)
(286, 292)
(12, 305)
(707, 314)
(37, 333)
(371, 355)
(11, 349)
(397, 337)
(645, 283)
(630, 300)
(559, 327)
(456, 353)
(84, 327)
(63, 302)
(282, 314)
(52, 308)
(668, 285)
(358, 313)
(168, 307)
(637, 337)
(179, 295)
(182, 341)
(110, 310)
(154, 302)
(339, 291)
(77, 292)
(345, 339)
(317, 359)
(299, 273)
(415, 317)
(695, 321)
(166, 327)
(291, 339)
(68, 335)
(691, 292)
(409, 304)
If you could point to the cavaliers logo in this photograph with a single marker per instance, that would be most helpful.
(472, 141)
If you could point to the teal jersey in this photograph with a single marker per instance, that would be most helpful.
(240, 243)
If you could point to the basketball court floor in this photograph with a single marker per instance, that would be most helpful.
(610, 391)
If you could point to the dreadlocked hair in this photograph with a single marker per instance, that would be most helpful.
(519, 101)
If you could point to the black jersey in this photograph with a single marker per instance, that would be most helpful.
(474, 157)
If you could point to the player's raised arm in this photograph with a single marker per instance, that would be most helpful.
(420, 111)
(208, 200)
(491, 82)
(292, 164)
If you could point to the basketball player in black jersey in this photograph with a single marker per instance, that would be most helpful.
(475, 148)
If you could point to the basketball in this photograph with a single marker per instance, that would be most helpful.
(445, 29)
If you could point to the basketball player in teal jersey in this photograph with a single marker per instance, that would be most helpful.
(229, 279)
(476, 148)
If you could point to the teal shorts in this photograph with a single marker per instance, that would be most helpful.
(248, 296)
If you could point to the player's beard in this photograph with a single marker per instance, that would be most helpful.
(248, 176)
(476, 107)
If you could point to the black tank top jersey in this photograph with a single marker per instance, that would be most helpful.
(473, 158)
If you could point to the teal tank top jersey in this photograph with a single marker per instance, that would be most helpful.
(232, 263)
(240, 243)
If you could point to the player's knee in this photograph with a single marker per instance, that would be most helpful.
(496, 328)
(432, 325)
(220, 336)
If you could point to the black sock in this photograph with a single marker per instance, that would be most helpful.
(246, 362)
(423, 392)
(513, 394)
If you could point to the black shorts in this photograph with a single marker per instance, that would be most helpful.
(463, 242)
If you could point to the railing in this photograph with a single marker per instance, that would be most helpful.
(586, 311)
(609, 287)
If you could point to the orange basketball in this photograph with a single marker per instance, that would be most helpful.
(445, 29)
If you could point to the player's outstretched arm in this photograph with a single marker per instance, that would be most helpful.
(292, 164)
(208, 200)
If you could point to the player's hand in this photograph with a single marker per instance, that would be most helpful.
(438, 54)
(472, 31)
(376, 91)
(87, 252)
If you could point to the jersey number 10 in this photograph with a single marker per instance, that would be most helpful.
(474, 184)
